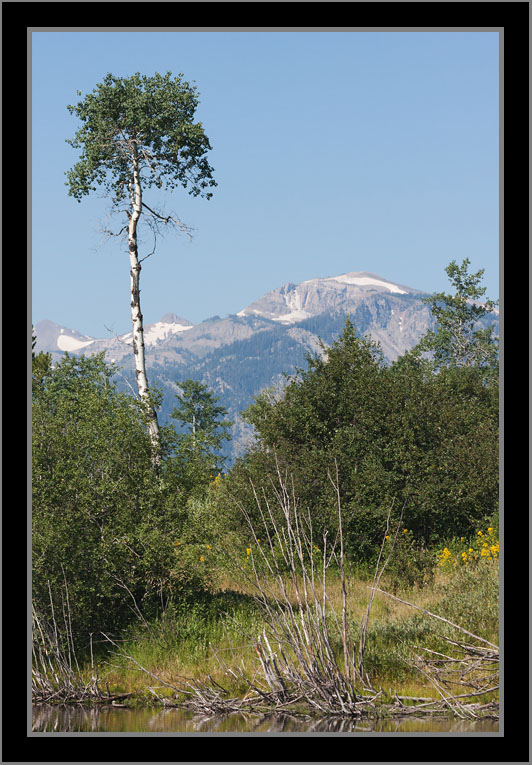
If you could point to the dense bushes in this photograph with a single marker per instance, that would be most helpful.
(426, 442)
(103, 525)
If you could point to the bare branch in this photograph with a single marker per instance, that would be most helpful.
(171, 219)
(394, 597)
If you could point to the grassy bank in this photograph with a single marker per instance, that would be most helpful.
(293, 625)
(215, 639)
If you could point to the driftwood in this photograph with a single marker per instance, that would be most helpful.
(473, 668)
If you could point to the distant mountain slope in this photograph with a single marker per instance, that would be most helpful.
(293, 303)
(54, 338)
(238, 355)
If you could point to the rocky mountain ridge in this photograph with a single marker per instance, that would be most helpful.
(288, 305)
(238, 355)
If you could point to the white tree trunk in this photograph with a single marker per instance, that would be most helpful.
(136, 314)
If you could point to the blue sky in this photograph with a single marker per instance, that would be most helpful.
(333, 152)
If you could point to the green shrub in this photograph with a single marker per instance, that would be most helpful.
(103, 524)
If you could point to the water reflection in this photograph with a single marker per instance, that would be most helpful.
(54, 718)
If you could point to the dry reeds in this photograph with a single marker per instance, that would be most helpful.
(56, 675)
(306, 653)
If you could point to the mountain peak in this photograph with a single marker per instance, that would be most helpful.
(369, 280)
(49, 334)
(172, 318)
(292, 303)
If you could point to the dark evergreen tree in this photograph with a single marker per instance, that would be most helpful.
(196, 459)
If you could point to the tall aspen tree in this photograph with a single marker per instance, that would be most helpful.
(138, 133)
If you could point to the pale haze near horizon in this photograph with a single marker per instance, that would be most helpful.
(334, 152)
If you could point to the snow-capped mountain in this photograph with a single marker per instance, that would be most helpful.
(293, 303)
(55, 339)
(170, 324)
(392, 313)
(238, 355)
(173, 337)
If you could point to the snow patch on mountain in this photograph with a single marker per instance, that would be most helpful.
(70, 344)
(361, 280)
(158, 331)
(292, 317)
(294, 303)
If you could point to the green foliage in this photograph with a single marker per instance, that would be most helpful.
(149, 118)
(428, 443)
(103, 525)
(411, 563)
(329, 411)
(183, 637)
(458, 339)
(387, 655)
(198, 412)
(470, 598)
(195, 459)
(41, 364)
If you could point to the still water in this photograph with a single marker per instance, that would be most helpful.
(53, 718)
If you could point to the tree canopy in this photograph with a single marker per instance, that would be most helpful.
(103, 527)
(426, 442)
(152, 117)
(195, 449)
(458, 339)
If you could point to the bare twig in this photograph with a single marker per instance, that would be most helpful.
(435, 616)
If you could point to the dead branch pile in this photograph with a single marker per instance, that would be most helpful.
(473, 669)
(469, 670)
(306, 654)
(298, 648)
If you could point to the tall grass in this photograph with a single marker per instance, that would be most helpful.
(291, 618)
(190, 642)
(303, 625)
